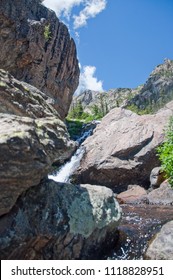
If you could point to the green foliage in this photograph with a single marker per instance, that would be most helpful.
(77, 111)
(165, 153)
(47, 32)
(135, 109)
(74, 128)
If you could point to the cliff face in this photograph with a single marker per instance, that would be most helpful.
(37, 48)
(156, 92)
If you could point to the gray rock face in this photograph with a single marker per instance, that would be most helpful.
(161, 247)
(32, 137)
(162, 195)
(121, 150)
(60, 221)
(157, 91)
(39, 50)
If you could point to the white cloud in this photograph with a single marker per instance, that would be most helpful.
(88, 80)
(62, 7)
(89, 9)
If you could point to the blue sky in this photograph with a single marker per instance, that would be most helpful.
(119, 42)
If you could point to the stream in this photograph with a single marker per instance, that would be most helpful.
(139, 223)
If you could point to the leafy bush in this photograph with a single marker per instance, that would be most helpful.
(47, 32)
(165, 153)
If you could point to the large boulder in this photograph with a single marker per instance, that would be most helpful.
(161, 248)
(37, 48)
(32, 137)
(60, 221)
(122, 149)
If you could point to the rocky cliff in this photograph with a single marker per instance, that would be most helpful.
(156, 92)
(37, 48)
(147, 98)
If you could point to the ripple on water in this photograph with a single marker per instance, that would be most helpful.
(138, 225)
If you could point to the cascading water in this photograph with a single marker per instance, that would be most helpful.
(67, 170)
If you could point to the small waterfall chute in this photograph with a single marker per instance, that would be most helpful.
(68, 168)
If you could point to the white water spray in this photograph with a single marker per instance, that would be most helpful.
(68, 168)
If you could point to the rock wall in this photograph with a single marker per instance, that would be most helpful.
(37, 48)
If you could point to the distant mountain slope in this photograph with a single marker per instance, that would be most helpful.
(147, 98)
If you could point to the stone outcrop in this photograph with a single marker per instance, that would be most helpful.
(122, 149)
(60, 221)
(162, 195)
(37, 48)
(32, 137)
(161, 248)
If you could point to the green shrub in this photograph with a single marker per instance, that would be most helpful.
(165, 152)
(47, 32)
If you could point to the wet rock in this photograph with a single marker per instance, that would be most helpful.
(163, 195)
(37, 48)
(134, 194)
(60, 221)
(122, 149)
(161, 248)
(157, 176)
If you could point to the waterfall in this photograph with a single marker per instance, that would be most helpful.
(64, 173)
(68, 168)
